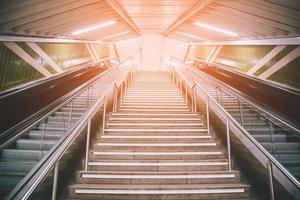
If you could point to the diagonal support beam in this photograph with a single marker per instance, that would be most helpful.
(281, 63)
(27, 58)
(115, 5)
(215, 54)
(41, 53)
(91, 52)
(265, 59)
(189, 13)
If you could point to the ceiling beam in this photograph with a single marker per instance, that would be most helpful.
(190, 12)
(275, 41)
(41, 39)
(115, 5)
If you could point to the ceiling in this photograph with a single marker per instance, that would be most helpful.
(172, 18)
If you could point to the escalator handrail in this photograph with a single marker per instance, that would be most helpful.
(245, 132)
(268, 82)
(32, 180)
(41, 81)
(21, 128)
(230, 89)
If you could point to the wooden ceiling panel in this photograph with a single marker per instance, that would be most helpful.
(58, 18)
(249, 19)
(155, 15)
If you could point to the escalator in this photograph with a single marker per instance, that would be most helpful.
(27, 147)
(276, 97)
(29, 99)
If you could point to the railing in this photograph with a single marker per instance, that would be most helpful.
(102, 86)
(200, 84)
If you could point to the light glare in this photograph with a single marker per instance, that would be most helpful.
(216, 29)
(115, 35)
(190, 35)
(109, 23)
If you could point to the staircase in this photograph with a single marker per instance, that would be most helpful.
(154, 147)
(21, 156)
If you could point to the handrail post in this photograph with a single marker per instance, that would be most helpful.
(55, 181)
(121, 92)
(42, 138)
(181, 87)
(228, 144)
(270, 177)
(104, 115)
(193, 98)
(87, 144)
(173, 78)
(70, 114)
(186, 96)
(115, 98)
(207, 115)
(241, 111)
(125, 86)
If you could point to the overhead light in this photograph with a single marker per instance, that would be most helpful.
(220, 30)
(88, 29)
(115, 35)
(190, 35)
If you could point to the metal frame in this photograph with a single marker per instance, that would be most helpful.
(4, 38)
(45, 56)
(278, 41)
(265, 59)
(199, 5)
(27, 58)
(281, 63)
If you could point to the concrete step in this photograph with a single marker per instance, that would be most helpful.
(156, 146)
(107, 177)
(169, 191)
(148, 155)
(158, 110)
(144, 114)
(174, 165)
(155, 139)
(160, 130)
(152, 119)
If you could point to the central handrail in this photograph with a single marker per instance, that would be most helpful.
(51, 160)
(271, 161)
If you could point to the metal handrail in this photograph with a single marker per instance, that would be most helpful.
(55, 106)
(270, 158)
(31, 181)
(233, 90)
